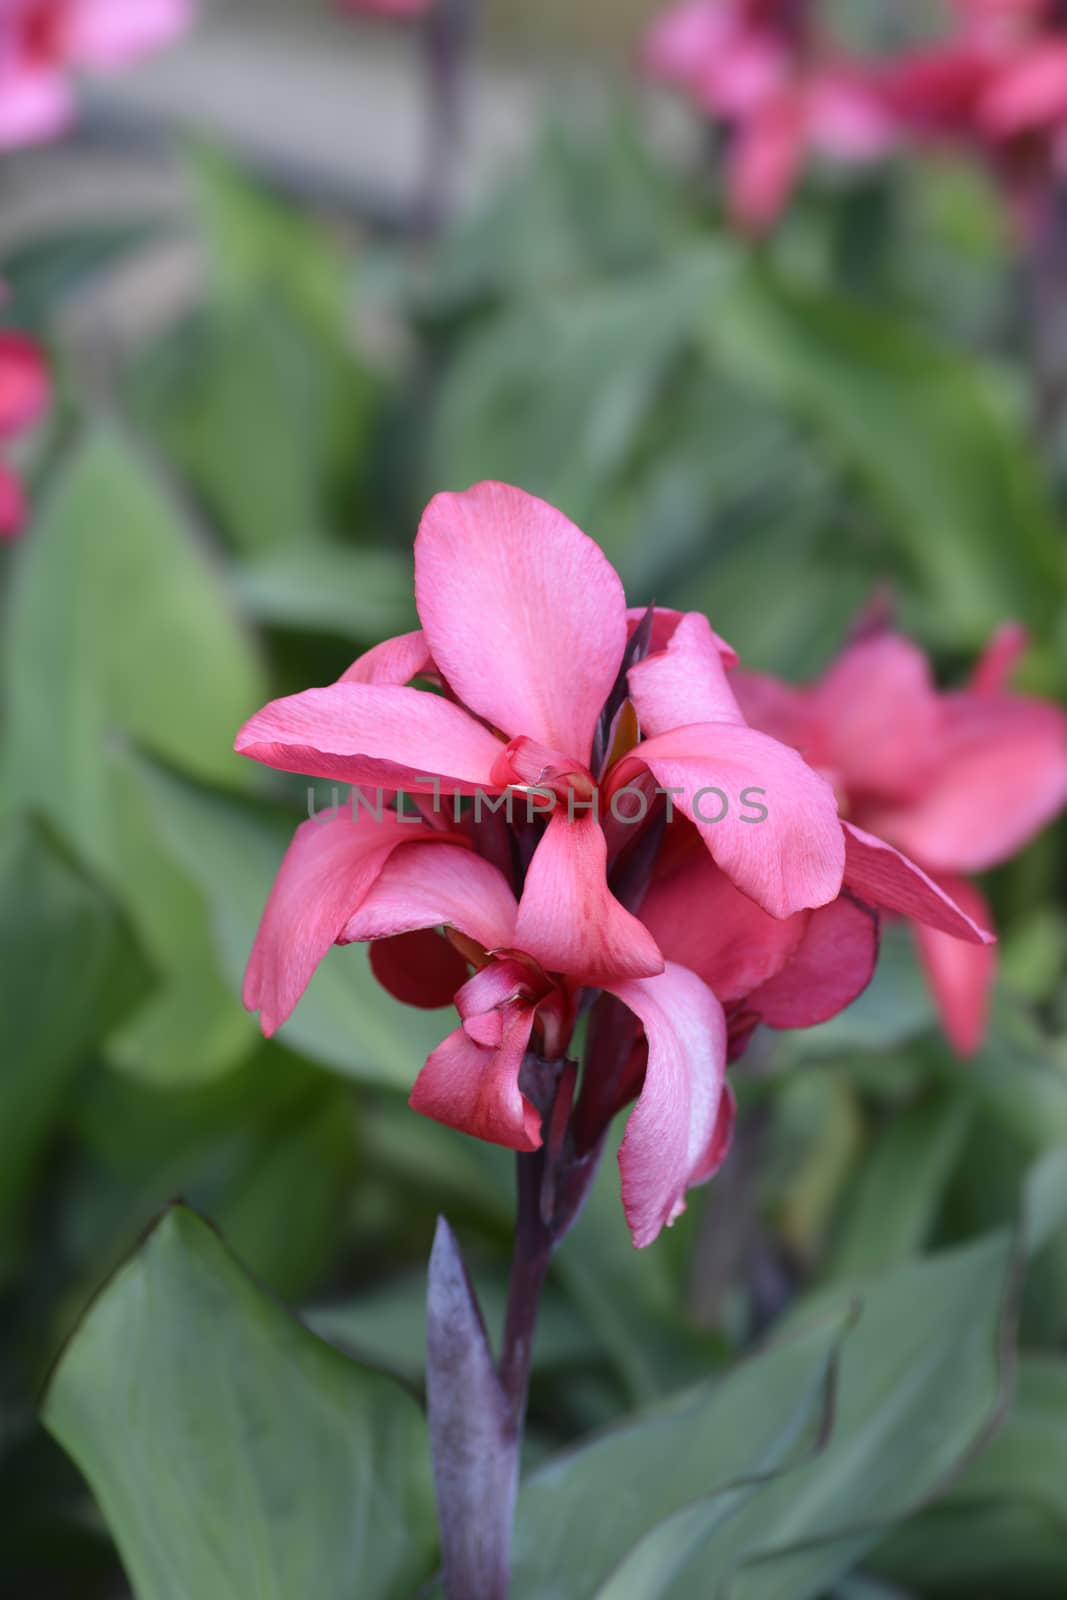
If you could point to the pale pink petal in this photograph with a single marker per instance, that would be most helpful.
(742, 78)
(475, 1088)
(330, 865)
(374, 734)
(524, 615)
(419, 968)
(879, 716)
(672, 1137)
(698, 918)
(769, 821)
(684, 683)
(764, 162)
(960, 975)
(24, 385)
(1000, 658)
(113, 33)
(681, 40)
(34, 106)
(832, 965)
(394, 661)
(433, 885)
(1003, 778)
(883, 877)
(569, 921)
(722, 1137)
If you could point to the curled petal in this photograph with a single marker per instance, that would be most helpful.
(327, 870)
(830, 968)
(394, 661)
(364, 733)
(883, 877)
(769, 821)
(524, 614)
(673, 1137)
(960, 975)
(569, 921)
(685, 682)
(475, 1088)
(433, 885)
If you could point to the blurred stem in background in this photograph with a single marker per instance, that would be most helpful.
(1046, 292)
(448, 36)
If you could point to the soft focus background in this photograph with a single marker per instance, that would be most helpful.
(269, 348)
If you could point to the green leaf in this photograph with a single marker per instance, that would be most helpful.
(930, 434)
(233, 847)
(261, 1464)
(41, 273)
(68, 970)
(118, 630)
(362, 594)
(579, 1517)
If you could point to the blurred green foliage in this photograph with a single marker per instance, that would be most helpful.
(765, 434)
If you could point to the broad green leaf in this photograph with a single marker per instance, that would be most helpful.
(361, 594)
(68, 970)
(922, 1381)
(233, 847)
(900, 1183)
(930, 434)
(253, 1462)
(119, 629)
(578, 1517)
(41, 273)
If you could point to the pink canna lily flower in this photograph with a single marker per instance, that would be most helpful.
(42, 42)
(960, 781)
(24, 394)
(525, 628)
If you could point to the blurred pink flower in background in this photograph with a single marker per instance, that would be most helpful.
(24, 394)
(402, 10)
(778, 88)
(43, 42)
(959, 780)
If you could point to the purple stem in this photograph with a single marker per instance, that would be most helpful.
(534, 1245)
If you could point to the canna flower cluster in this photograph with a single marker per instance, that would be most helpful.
(672, 872)
(43, 43)
(772, 78)
(24, 393)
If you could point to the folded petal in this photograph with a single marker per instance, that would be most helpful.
(673, 1137)
(569, 921)
(475, 1088)
(524, 615)
(419, 968)
(769, 821)
(883, 877)
(831, 966)
(1003, 777)
(375, 734)
(685, 682)
(329, 867)
(960, 975)
(434, 885)
(394, 661)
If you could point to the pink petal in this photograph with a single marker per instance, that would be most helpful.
(114, 33)
(373, 734)
(680, 41)
(524, 615)
(12, 504)
(879, 716)
(1004, 776)
(569, 921)
(437, 884)
(832, 965)
(787, 861)
(885, 878)
(1028, 93)
(401, 10)
(475, 1088)
(419, 968)
(960, 975)
(394, 661)
(848, 116)
(764, 162)
(684, 683)
(328, 868)
(24, 385)
(698, 918)
(1000, 658)
(673, 1136)
(665, 622)
(34, 106)
(786, 713)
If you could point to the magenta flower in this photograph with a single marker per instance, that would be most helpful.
(758, 69)
(43, 42)
(24, 394)
(960, 781)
